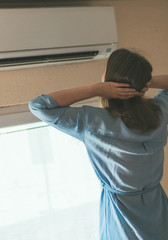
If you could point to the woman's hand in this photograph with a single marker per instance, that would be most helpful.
(117, 90)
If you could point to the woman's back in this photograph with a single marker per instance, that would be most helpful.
(131, 163)
(129, 160)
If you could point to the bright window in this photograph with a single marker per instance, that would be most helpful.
(48, 189)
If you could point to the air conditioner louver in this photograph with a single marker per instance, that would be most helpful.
(9, 62)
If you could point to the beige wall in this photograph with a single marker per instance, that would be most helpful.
(142, 24)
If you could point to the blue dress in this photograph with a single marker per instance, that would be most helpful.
(129, 165)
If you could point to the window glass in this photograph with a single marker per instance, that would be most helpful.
(48, 189)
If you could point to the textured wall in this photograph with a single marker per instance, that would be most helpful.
(142, 24)
(19, 86)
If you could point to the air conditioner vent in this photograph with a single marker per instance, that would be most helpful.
(47, 58)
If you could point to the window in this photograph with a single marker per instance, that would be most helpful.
(48, 189)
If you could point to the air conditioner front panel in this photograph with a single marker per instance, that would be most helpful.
(47, 28)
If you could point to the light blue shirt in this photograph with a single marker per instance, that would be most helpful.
(129, 165)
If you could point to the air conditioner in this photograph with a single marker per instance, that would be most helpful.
(45, 36)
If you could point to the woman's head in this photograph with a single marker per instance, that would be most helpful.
(124, 66)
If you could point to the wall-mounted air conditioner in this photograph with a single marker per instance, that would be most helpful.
(43, 36)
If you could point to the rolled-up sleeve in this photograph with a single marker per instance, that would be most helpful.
(70, 120)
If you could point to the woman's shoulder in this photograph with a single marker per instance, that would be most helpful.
(161, 95)
(161, 99)
(94, 111)
(97, 114)
(101, 120)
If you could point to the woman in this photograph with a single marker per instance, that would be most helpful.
(124, 141)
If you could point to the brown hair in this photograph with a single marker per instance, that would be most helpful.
(124, 66)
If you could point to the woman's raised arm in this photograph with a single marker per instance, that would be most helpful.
(159, 81)
(107, 90)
